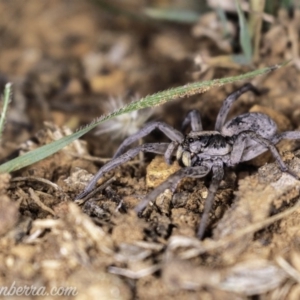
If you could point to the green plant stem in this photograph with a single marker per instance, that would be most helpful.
(245, 38)
(6, 101)
(148, 101)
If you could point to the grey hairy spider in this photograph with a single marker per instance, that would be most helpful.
(200, 152)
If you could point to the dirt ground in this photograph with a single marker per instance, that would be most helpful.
(72, 61)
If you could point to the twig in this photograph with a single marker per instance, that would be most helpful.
(134, 274)
(43, 180)
(288, 268)
(91, 158)
(202, 247)
(95, 191)
(37, 200)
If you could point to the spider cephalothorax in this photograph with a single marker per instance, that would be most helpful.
(200, 144)
(200, 152)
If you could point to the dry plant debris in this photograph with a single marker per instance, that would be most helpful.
(66, 60)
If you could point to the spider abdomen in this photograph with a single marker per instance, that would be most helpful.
(257, 122)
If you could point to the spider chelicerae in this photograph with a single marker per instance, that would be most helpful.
(201, 152)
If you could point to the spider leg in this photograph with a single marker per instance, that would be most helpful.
(172, 182)
(173, 134)
(169, 152)
(193, 118)
(252, 152)
(237, 153)
(256, 150)
(218, 174)
(287, 135)
(230, 100)
(158, 148)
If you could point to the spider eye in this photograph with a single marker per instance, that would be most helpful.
(191, 140)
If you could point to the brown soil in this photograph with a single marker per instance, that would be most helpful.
(72, 61)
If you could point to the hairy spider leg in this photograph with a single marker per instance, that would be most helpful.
(222, 115)
(286, 135)
(254, 151)
(158, 148)
(169, 152)
(173, 134)
(218, 174)
(192, 118)
(172, 182)
(240, 143)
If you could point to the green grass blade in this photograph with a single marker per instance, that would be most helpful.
(172, 15)
(224, 21)
(148, 101)
(287, 4)
(245, 37)
(255, 26)
(6, 101)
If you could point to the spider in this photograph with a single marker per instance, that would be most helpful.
(201, 152)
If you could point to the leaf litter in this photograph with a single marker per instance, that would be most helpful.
(99, 245)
